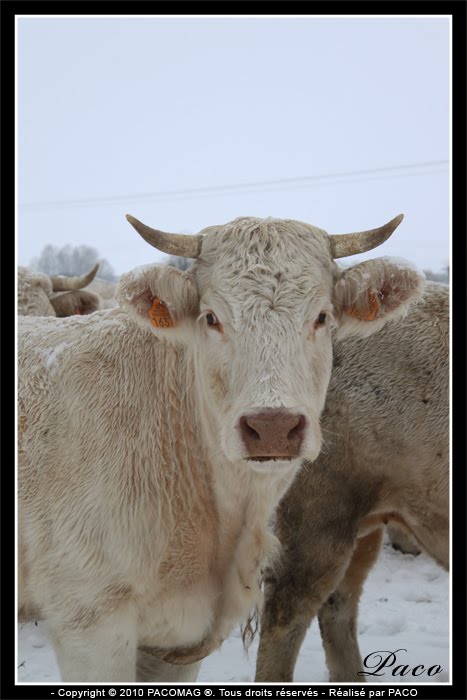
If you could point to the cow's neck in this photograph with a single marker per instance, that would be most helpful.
(245, 501)
(250, 543)
(226, 499)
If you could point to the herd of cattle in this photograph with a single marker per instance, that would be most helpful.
(212, 447)
(40, 294)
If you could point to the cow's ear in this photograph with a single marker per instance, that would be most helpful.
(160, 298)
(77, 301)
(368, 295)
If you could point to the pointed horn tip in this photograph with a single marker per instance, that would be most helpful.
(91, 274)
(138, 226)
(397, 220)
(131, 219)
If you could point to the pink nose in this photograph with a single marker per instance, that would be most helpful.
(272, 433)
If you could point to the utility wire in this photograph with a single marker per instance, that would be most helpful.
(293, 183)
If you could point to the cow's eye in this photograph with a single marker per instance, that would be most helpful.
(212, 320)
(321, 319)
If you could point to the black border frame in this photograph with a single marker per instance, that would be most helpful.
(457, 9)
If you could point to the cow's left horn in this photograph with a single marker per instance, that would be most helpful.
(171, 243)
(346, 244)
(63, 284)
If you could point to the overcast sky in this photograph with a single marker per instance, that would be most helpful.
(115, 115)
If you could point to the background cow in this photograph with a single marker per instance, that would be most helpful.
(106, 291)
(385, 458)
(40, 294)
(155, 440)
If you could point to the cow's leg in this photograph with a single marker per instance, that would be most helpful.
(151, 668)
(291, 602)
(317, 524)
(338, 616)
(101, 651)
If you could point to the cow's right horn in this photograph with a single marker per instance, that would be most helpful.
(171, 243)
(353, 243)
(64, 284)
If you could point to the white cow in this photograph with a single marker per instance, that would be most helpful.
(155, 440)
(40, 294)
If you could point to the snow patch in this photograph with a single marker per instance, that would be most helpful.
(389, 619)
(50, 355)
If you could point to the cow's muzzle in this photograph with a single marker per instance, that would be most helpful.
(272, 433)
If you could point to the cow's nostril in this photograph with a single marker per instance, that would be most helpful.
(298, 429)
(247, 430)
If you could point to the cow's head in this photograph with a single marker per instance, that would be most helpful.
(259, 308)
(42, 295)
(77, 301)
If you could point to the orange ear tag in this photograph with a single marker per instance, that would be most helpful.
(355, 312)
(159, 314)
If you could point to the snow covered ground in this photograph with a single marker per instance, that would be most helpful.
(405, 605)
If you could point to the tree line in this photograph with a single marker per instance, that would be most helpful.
(77, 260)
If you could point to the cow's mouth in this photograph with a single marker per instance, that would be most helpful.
(268, 459)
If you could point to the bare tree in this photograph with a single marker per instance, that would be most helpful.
(72, 260)
(442, 276)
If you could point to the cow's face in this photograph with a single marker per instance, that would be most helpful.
(258, 309)
(263, 336)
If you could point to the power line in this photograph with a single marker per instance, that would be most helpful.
(293, 183)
